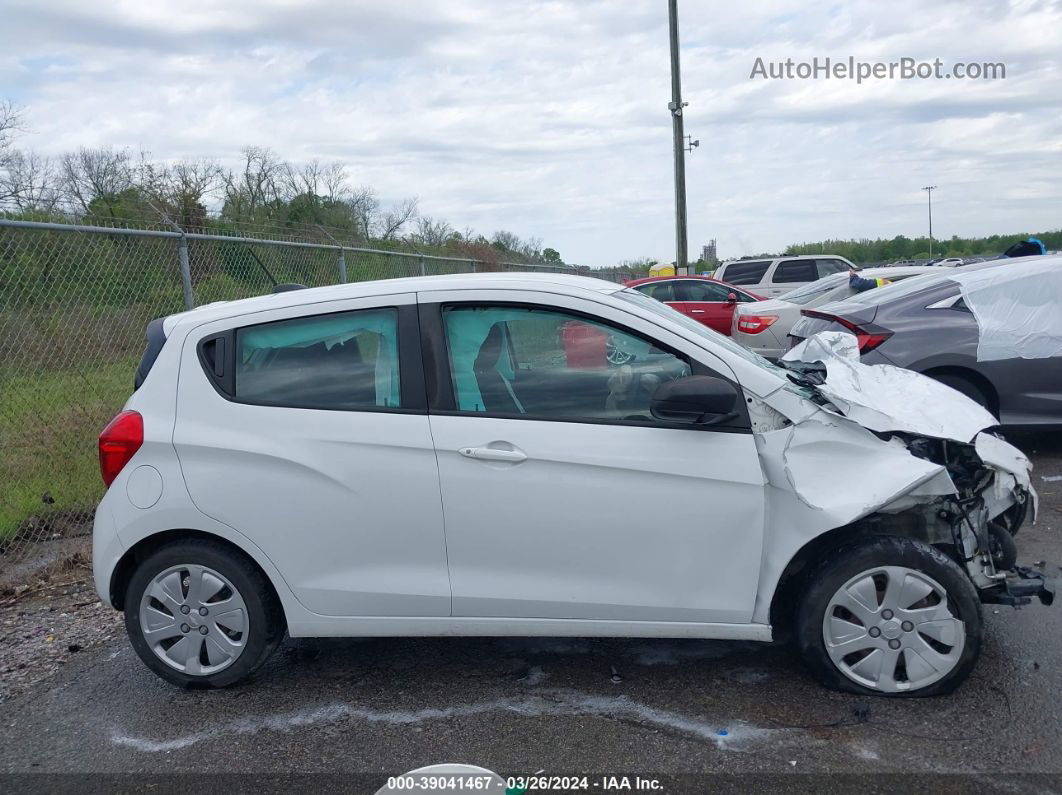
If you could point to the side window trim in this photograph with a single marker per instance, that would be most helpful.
(439, 387)
(217, 357)
(412, 393)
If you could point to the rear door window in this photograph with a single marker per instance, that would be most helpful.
(700, 290)
(749, 272)
(661, 291)
(795, 271)
(342, 361)
(830, 266)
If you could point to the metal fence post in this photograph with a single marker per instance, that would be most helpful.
(342, 267)
(423, 267)
(186, 271)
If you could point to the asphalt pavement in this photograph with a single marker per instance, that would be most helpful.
(364, 710)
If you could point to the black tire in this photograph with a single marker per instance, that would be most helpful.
(967, 387)
(265, 616)
(1004, 549)
(846, 564)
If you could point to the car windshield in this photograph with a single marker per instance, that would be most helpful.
(699, 329)
(805, 294)
(900, 289)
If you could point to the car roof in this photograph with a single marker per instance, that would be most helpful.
(773, 257)
(901, 270)
(458, 281)
(713, 280)
(647, 279)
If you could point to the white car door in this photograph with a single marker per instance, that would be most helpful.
(563, 497)
(306, 430)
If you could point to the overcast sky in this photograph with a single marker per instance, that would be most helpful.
(550, 119)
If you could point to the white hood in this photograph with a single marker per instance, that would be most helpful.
(884, 398)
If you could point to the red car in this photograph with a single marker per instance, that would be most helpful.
(704, 299)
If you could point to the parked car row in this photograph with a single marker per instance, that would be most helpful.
(763, 327)
(992, 331)
(919, 320)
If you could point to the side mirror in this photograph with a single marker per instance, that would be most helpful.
(731, 298)
(695, 399)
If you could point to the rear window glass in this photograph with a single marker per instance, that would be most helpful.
(897, 290)
(828, 267)
(344, 361)
(807, 293)
(795, 270)
(750, 272)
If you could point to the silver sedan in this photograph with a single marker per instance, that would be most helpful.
(763, 326)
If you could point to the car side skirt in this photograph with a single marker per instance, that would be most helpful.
(335, 626)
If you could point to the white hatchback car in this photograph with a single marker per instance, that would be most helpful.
(455, 455)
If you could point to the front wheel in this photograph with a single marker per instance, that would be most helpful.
(199, 614)
(890, 616)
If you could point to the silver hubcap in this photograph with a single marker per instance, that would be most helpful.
(614, 355)
(891, 629)
(194, 620)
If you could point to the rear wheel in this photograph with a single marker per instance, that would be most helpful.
(967, 387)
(200, 615)
(890, 616)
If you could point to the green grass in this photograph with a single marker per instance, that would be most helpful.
(48, 427)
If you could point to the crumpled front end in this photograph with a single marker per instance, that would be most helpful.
(890, 451)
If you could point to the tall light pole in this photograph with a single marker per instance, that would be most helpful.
(675, 106)
(929, 193)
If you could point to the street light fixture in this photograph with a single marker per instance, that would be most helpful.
(929, 193)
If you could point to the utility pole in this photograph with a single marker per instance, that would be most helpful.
(675, 106)
(929, 193)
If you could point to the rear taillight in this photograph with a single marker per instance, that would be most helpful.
(754, 324)
(119, 442)
(867, 337)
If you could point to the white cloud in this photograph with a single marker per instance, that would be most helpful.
(550, 119)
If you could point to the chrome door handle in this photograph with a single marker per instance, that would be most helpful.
(493, 454)
(697, 311)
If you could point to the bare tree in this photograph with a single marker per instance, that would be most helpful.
(364, 207)
(392, 221)
(334, 181)
(431, 231)
(88, 175)
(10, 124)
(305, 179)
(506, 241)
(258, 186)
(191, 183)
(30, 182)
(532, 248)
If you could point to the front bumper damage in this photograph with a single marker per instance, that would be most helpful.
(890, 451)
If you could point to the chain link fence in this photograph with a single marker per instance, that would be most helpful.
(74, 303)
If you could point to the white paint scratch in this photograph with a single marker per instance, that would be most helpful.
(534, 676)
(560, 703)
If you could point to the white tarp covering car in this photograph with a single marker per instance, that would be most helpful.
(1018, 309)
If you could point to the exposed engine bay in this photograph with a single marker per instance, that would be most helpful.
(980, 520)
(890, 451)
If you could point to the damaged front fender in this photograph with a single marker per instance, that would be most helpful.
(879, 448)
